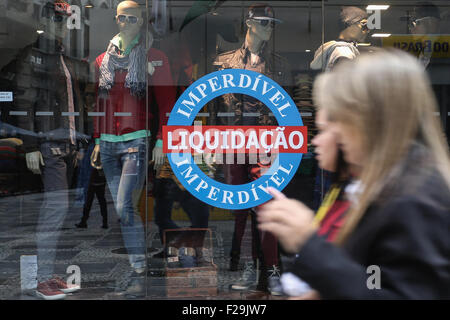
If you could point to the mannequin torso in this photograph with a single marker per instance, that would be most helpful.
(119, 97)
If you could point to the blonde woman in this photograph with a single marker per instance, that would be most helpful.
(395, 242)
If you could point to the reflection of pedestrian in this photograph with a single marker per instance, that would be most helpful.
(96, 187)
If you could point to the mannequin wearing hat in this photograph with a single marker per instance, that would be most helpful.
(327, 56)
(345, 47)
(53, 22)
(47, 89)
(255, 55)
(425, 25)
(425, 21)
(130, 77)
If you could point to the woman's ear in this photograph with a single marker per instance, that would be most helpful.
(249, 23)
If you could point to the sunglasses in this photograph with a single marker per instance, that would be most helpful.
(265, 22)
(415, 22)
(58, 18)
(125, 18)
(363, 25)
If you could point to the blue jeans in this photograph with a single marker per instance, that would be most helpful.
(125, 169)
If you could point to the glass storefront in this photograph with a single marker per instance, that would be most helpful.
(87, 192)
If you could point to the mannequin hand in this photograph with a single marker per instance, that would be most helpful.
(151, 68)
(95, 157)
(288, 220)
(34, 160)
(80, 155)
(210, 161)
(157, 158)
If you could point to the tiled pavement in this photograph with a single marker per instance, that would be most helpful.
(99, 253)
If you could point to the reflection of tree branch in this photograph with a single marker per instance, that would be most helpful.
(199, 8)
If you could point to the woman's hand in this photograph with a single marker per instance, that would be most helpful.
(289, 220)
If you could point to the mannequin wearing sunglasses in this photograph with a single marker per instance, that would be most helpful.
(426, 19)
(424, 23)
(425, 26)
(354, 21)
(255, 55)
(127, 73)
(258, 33)
(327, 56)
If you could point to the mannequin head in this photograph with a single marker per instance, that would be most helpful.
(355, 23)
(426, 19)
(260, 21)
(54, 19)
(129, 19)
(258, 31)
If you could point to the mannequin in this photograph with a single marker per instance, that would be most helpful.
(253, 55)
(327, 57)
(426, 25)
(426, 21)
(330, 53)
(51, 98)
(127, 73)
(127, 33)
(56, 31)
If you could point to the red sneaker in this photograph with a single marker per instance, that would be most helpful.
(48, 291)
(63, 286)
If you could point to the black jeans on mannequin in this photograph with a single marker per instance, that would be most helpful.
(166, 193)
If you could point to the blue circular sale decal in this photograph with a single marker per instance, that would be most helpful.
(283, 167)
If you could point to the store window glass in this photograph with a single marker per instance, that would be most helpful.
(90, 205)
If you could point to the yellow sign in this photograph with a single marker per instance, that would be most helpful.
(436, 46)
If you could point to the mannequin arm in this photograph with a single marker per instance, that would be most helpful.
(95, 157)
(158, 155)
(150, 68)
(34, 160)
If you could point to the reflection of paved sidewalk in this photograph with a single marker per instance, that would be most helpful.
(96, 251)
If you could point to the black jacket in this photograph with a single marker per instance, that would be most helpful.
(407, 236)
(38, 81)
(271, 65)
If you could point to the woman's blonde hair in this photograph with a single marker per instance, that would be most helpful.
(386, 97)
